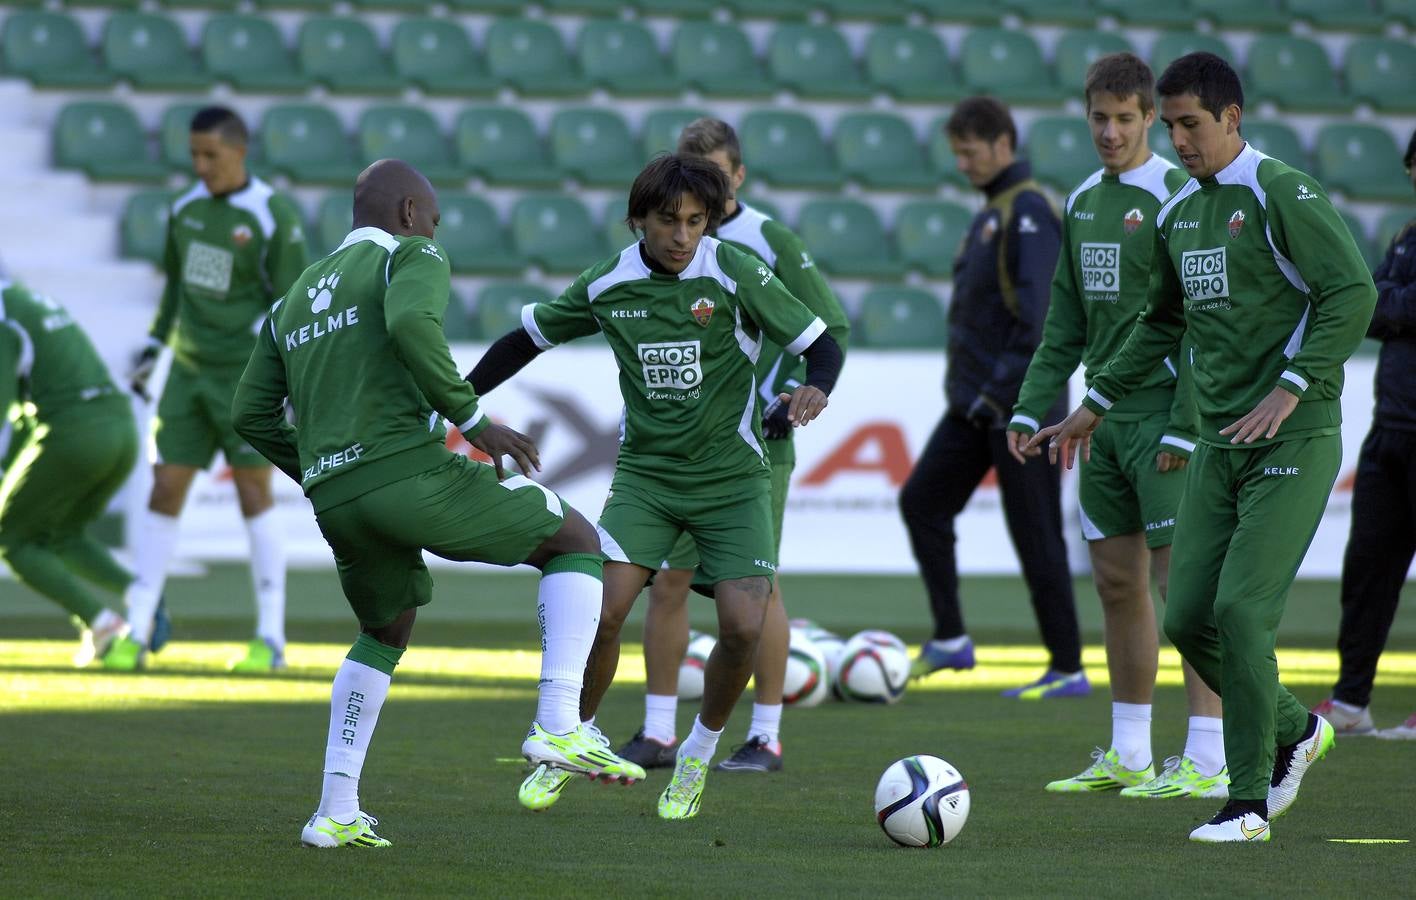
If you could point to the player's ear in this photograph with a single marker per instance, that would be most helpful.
(739, 177)
(1232, 115)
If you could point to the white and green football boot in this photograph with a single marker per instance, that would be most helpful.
(1179, 778)
(324, 832)
(1104, 774)
(542, 788)
(681, 798)
(579, 751)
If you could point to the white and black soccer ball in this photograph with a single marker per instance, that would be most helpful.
(922, 801)
(830, 645)
(807, 681)
(872, 670)
(690, 680)
(880, 638)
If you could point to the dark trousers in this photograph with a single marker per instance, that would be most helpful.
(1379, 552)
(953, 463)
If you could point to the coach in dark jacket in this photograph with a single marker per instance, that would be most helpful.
(1002, 278)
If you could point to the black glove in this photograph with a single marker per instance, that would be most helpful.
(984, 413)
(142, 369)
(775, 424)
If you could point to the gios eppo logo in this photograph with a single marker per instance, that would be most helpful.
(1101, 268)
(1205, 274)
(672, 365)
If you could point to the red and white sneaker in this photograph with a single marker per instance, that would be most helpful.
(1406, 731)
(1345, 719)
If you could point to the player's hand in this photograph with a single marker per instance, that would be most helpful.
(1018, 447)
(1063, 438)
(805, 404)
(1165, 461)
(775, 424)
(1264, 419)
(497, 441)
(143, 367)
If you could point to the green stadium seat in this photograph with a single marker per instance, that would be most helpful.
(900, 318)
(814, 61)
(1277, 140)
(411, 134)
(847, 239)
(785, 148)
(308, 143)
(779, 10)
(605, 8)
(764, 206)
(1337, 15)
(880, 150)
(499, 306)
(1292, 72)
(662, 128)
(1158, 15)
(472, 235)
(1171, 45)
(333, 221)
(928, 234)
(484, 7)
(555, 232)
(249, 53)
(979, 12)
(310, 5)
(1383, 73)
(208, 5)
(873, 10)
(1391, 224)
(151, 52)
(174, 136)
(623, 58)
(105, 141)
(50, 50)
(941, 155)
(1400, 11)
(459, 324)
(402, 6)
(618, 234)
(1067, 12)
(144, 227)
(716, 59)
(1077, 50)
(1007, 64)
(1256, 14)
(679, 9)
(594, 146)
(342, 53)
(531, 57)
(911, 64)
(437, 55)
(1159, 140)
(1359, 237)
(1061, 151)
(1362, 161)
(501, 146)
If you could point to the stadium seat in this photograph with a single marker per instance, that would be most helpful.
(979, 12)
(342, 53)
(333, 221)
(310, 5)
(1337, 15)
(874, 10)
(928, 234)
(459, 324)
(901, 318)
(814, 61)
(500, 145)
(941, 155)
(437, 55)
(594, 146)
(618, 234)
(308, 143)
(411, 134)
(484, 7)
(1362, 161)
(624, 58)
(880, 150)
(1277, 140)
(662, 128)
(778, 10)
(499, 306)
(716, 59)
(1400, 11)
(1391, 224)
(144, 227)
(531, 57)
(1159, 140)
(1171, 45)
(555, 232)
(50, 50)
(105, 141)
(1158, 15)
(912, 64)
(785, 148)
(151, 52)
(1293, 73)
(249, 53)
(764, 206)
(1257, 14)
(1383, 73)
(1077, 50)
(1061, 151)
(1007, 64)
(174, 136)
(1067, 12)
(847, 239)
(1359, 237)
(472, 235)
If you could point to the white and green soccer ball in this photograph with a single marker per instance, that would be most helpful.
(921, 801)
(874, 668)
(808, 681)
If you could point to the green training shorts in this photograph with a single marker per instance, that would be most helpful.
(1119, 489)
(194, 420)
(684, 555)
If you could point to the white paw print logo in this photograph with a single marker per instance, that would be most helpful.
(323, 292)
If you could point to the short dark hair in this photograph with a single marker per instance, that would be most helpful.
(984, 118)
(1410, 158)
(222, 120)
(662, 184)
(1212, 80)
(1121, 75)
(708, 135)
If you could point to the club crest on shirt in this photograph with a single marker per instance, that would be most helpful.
(702, 310)
(1236, 223)
(1133, 220)
(241, 235)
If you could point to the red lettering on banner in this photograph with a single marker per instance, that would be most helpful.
(889, 454)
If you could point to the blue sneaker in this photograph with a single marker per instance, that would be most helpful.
(161, 627)
(933, 657)
(1053, 684)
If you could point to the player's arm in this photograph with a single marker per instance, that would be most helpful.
(1182, 430)
(146, 360)
(1396, 302)
(543, 326)
(258, 408)
(286, 254)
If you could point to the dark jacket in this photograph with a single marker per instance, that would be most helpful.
(1002, 281)
(1394, 324)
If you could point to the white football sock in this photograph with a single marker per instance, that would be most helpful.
(766, 722)
(568, 606)
(152, 552)
(1204, 745)
(660, 715)
(268, 575)
(1131, 734)
(355, 701)
(701, 742)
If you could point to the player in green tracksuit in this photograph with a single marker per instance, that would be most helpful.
(686, 316)
(233, 246)
(75, 455)
(1131, 490)
(666, 630)
(357, 348)
(1257, 270)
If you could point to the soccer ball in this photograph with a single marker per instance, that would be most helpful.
(690, 682)
(922, 801)
(808, 681)
(830, 646)
(872, 670)
(880, 639)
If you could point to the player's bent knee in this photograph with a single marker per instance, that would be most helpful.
(575, 536)
(396, 633)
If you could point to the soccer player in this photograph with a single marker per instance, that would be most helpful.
(685, 315)
(357, 348)
(1131, 489)
(666, 624)
(233, 246)
(70, 464)
(1256, 269)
